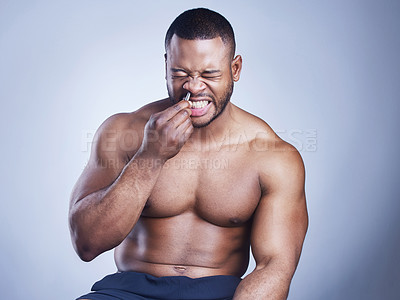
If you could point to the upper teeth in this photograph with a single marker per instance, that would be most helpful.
(198, 104)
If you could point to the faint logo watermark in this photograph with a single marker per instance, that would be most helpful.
(304, 140)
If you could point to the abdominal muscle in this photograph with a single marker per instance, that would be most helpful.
(184, 245)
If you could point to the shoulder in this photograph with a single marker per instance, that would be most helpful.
(259, 136)
(123, 132)
(276, 161)
(139, 117)
(120, 122)
(280, 167)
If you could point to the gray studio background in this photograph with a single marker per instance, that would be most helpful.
(323, 74)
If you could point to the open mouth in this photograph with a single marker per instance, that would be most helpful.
(199, 108)
(198, 104)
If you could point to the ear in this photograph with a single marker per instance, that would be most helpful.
(165, 58)
(236, 67)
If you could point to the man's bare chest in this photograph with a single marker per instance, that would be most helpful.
(222, 188)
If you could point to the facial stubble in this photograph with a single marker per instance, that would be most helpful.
(219, 105)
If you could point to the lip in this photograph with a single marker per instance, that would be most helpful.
(199, 99)
(198, 112)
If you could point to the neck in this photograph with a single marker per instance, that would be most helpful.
(217, 129)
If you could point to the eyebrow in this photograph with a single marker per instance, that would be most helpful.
(178, 70)
(211, 71)
(204, 72)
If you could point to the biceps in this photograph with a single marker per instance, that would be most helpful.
(279, 227)
(98, 174)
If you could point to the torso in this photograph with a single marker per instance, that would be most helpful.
(197, 220)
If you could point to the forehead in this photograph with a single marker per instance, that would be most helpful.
(197, 53)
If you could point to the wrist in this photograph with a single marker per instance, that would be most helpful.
(145, 159)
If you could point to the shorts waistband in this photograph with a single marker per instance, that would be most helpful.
(170, 287)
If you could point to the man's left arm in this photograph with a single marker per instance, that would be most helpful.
(279, 227)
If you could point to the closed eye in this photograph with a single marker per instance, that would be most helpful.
(179, 73)
(211, 77)
(211, 74)
(208, 74)
(179, 76)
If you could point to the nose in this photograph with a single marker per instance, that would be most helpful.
(194, 85)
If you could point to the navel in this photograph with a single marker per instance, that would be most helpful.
(180, 269)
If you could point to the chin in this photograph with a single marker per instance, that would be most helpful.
(201, 124)
(204, 122)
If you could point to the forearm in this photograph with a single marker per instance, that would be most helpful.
(101, 220)
(270, 282)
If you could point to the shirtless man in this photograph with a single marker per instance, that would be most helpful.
(181, 189)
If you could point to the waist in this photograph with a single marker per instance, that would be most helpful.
(160, 260)
(168, 270)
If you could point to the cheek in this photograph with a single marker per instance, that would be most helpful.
(175, 84)
(218, 89)
(172, 86)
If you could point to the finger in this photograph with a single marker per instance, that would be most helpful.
(184, 126)
(185, 130)
(170, 112)
(181, 117)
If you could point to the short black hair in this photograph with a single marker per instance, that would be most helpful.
(201, 24)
